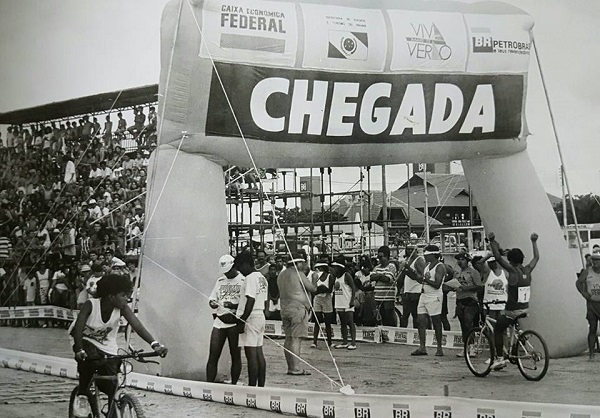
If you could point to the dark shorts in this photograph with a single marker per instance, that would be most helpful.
(593, 311)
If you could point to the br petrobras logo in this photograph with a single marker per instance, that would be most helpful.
(348, 45)
(400, 411)
(275, 404)
(442, 411)
(328, 409)
(484, 42)
(301, 407)
(362, 410)
(250, 400)
(428, 43)
(486, 413)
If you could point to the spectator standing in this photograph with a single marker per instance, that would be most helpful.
(251, 314)
(412, 268)
(384, 278)
(344, 302)
(294, 289)
(225, 299)
(588, 284)
(323, 301)
(467, 304)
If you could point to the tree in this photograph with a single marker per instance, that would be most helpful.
(587, 208)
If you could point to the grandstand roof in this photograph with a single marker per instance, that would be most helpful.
(82, 105)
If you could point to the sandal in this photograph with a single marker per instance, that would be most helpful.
(299, 373)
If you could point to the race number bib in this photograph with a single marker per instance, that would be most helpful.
(524, 293)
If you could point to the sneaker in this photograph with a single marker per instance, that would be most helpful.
(81, 407)
(345, 345)
(313, 345)
(499, 364)
(351, 347)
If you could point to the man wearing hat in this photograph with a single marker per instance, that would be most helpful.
(225, 298)
(467, 303)
(294, 291)
(588, 284)
(323, 300)
(496, 285)
(430, 302)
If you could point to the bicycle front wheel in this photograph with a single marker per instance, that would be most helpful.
(479, 352)
(130, 407)
(532, 355)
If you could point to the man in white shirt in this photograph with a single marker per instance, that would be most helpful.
(251, 313)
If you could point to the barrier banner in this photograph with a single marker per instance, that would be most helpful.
(304, 403)
(37, 312)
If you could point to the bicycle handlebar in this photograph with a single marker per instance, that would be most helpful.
(136, 355)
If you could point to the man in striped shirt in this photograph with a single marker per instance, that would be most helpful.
(384, 278)
(5, 245)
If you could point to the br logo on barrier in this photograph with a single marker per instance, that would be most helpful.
(328, 409)
(400, 337)
(442, 411)
(400, 411)
(134, 383)
(458, 341)
(32, 367)
(275, 404)
(150, 386)
(362, 410)
(169, 389)
(19, 365)
(187, 392)
(269, 328)
(206, 394)
(5, 362)
(531, 414)
(48, 370)
(368, 334)
(63, 372)
(486, 413)
(228, 398)
(251, 400)
(301, 407)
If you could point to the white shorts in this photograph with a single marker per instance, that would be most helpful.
(254, 331)
(430, 305)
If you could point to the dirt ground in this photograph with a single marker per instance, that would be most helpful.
(371, 369)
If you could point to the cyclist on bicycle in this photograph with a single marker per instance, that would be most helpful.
(94, 334)
(519, 290)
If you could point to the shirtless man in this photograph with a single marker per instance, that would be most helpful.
(294, 291)
(588, 284)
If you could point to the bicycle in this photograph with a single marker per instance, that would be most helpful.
(123, 404)
(528, 350)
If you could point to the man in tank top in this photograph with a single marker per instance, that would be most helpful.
(588, 284)
(496, 285)
(519, 290)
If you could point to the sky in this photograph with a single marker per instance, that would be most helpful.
(55, 50)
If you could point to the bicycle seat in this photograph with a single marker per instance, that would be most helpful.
(523, 315)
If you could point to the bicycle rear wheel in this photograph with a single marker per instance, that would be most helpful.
(532, 355)
(479, 352)
(130, 407)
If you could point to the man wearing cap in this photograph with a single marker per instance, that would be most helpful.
(413, 267)
(496, 285)
(588, 284)
(430, 302)
(225, 298)
(467, 303)
(323, 300)
(294, 291)
(85, 273)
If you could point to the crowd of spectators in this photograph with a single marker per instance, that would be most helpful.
(71, 195)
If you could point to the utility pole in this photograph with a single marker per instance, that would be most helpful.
(384, 206)
(426, 203)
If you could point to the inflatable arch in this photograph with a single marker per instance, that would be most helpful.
(338, 83)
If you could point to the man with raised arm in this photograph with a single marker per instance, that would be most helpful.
(519, 290)
(294, 291)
